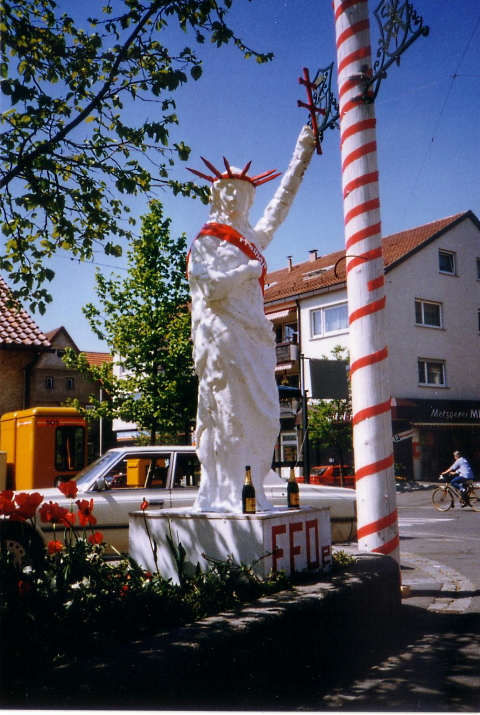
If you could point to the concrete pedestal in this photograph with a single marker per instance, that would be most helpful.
(290, 540)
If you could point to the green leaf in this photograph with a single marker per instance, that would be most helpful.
(196, 72)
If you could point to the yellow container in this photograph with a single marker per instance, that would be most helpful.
(43, 445)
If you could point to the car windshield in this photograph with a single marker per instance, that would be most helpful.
(90, 473)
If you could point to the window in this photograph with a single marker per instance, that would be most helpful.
(286, 333)
(70, 383)
(431, 372)
(289, 446)
(49, 383)
(332, 319)
(69, 448)
(428, 314)
(187, 471)
(446, 262)
(478, 269)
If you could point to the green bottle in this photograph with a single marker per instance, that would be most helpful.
(293, 492)
(249, 502)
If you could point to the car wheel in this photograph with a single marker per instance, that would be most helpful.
(23, 542)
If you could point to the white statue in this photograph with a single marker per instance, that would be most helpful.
(238, 418)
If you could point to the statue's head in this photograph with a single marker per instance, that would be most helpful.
(233, 191)
(232, 197)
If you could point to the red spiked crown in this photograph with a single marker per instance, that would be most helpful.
(231, 174)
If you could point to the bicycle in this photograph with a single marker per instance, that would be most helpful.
(444, 497)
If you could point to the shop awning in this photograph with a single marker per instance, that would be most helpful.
(279, 314)
(284, 366)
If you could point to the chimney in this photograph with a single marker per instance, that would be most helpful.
(289, 259)
(312, 255)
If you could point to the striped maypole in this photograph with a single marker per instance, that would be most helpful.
(372, 427)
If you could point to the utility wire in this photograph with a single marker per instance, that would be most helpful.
(454, 77)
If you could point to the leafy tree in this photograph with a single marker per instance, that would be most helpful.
(146, 320)
(67, 155)
(330, 421)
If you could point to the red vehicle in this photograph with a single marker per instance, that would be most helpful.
(330, 476)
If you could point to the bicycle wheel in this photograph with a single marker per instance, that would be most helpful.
(474, 499)
(442, 499)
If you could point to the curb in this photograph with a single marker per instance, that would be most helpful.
(453, 585)
(240, 657)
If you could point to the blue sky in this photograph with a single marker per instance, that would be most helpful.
(428, 129)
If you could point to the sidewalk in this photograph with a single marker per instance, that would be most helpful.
(435, 667)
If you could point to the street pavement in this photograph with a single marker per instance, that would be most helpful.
(434, 665)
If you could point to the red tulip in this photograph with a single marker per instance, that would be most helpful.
(24, 587)
(54, 547)
(54, 514)
(69, 489)
(27, 506)
(7, 505)
(85, 515)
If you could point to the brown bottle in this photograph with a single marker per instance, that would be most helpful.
(293, 492)
(249, 503)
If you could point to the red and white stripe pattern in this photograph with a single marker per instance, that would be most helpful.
(372, 427)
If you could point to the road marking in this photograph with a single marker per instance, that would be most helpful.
(405, 521)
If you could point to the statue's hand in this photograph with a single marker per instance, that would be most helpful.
(306, 142)
(254, 269)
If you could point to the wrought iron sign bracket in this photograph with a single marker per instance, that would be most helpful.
(400, 25)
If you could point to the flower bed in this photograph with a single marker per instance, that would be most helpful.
(63, 601)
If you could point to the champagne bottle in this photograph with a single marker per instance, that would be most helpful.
(249, 504)
(293, 494)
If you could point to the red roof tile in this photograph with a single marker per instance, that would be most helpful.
(17, 328)
(329, 270)
(97, 359)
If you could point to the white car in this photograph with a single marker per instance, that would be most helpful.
(168, 477)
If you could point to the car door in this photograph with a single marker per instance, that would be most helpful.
(127, 480)
(185, 479)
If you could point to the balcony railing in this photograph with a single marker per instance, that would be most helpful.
(286, 352)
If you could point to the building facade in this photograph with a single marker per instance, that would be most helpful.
(432, 276)
(33, 374)
(21, 344)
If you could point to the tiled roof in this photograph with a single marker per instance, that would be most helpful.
(52, 334)
(97, 358)
(329, 270)
(16, 327)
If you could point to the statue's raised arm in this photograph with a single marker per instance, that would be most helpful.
(278, 208)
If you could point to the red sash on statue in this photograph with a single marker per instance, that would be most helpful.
(227, 233)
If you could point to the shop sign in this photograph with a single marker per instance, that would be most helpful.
(440, 411)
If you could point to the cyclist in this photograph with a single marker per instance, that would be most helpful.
(463, 473)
